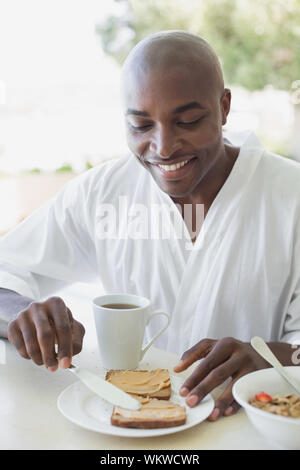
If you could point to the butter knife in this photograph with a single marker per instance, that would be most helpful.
(105, 389)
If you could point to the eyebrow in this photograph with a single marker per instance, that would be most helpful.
(180, 109)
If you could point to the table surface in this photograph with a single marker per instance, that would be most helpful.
(30, 419)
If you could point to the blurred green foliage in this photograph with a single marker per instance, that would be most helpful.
(31, 170)
(258, 41)
(88, 165)
(67, 167)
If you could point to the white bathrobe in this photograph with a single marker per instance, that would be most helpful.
(240, 279)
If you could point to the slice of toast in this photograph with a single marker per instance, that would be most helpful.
(153, 414)
(145, 383)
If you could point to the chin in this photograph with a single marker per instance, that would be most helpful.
(176, 194)
(180, 190)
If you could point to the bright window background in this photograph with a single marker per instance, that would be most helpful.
(60, 101)
(62, 93)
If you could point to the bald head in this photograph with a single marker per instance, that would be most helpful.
(175, 49)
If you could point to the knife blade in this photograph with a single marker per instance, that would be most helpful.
(105, 389)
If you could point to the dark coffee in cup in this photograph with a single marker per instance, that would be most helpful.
(120, 306)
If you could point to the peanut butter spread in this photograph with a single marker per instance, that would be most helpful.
(152, 407)
(154, 403)
(144, 382)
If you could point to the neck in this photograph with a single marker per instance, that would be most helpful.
(207, 190)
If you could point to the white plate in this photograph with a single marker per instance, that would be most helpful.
(81, 406)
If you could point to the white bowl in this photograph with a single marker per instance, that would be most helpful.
(280, 430)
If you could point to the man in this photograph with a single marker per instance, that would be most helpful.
(234, 277)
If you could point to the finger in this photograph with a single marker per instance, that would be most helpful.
(234, 406)
(198, 351)
(77, 337)
(224, 402)
(60, 318)
(215, 378)
(71, 319)
(15, 337)
(32, 343)
(220, 353)
(29, 336)
(45, 336)
(232, 409)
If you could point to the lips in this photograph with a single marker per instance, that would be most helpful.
(174, 166)
(173, 171)
(173, 162)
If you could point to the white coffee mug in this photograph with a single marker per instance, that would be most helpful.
(120, 331)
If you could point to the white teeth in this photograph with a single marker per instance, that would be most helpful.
(176, 166)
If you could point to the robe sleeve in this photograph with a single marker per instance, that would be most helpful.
(53, 247)
(291, 327)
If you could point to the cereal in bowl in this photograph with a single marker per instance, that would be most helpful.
(288, 405)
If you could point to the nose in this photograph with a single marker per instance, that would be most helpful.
(164, 142)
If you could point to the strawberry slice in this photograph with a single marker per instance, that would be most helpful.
(263, 397)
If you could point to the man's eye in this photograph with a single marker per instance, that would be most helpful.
(190, 123)
(146, 127)
(140, 128)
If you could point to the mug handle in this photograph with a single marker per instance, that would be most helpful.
(157, 334)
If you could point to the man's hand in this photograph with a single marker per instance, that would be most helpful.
(222, 359)
(36, 330)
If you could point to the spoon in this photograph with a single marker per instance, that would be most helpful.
(263, 349)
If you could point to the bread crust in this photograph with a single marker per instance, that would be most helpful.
(125, 423)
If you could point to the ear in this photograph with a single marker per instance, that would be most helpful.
(225, 104)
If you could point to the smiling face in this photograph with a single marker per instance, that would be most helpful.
(174, 115)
